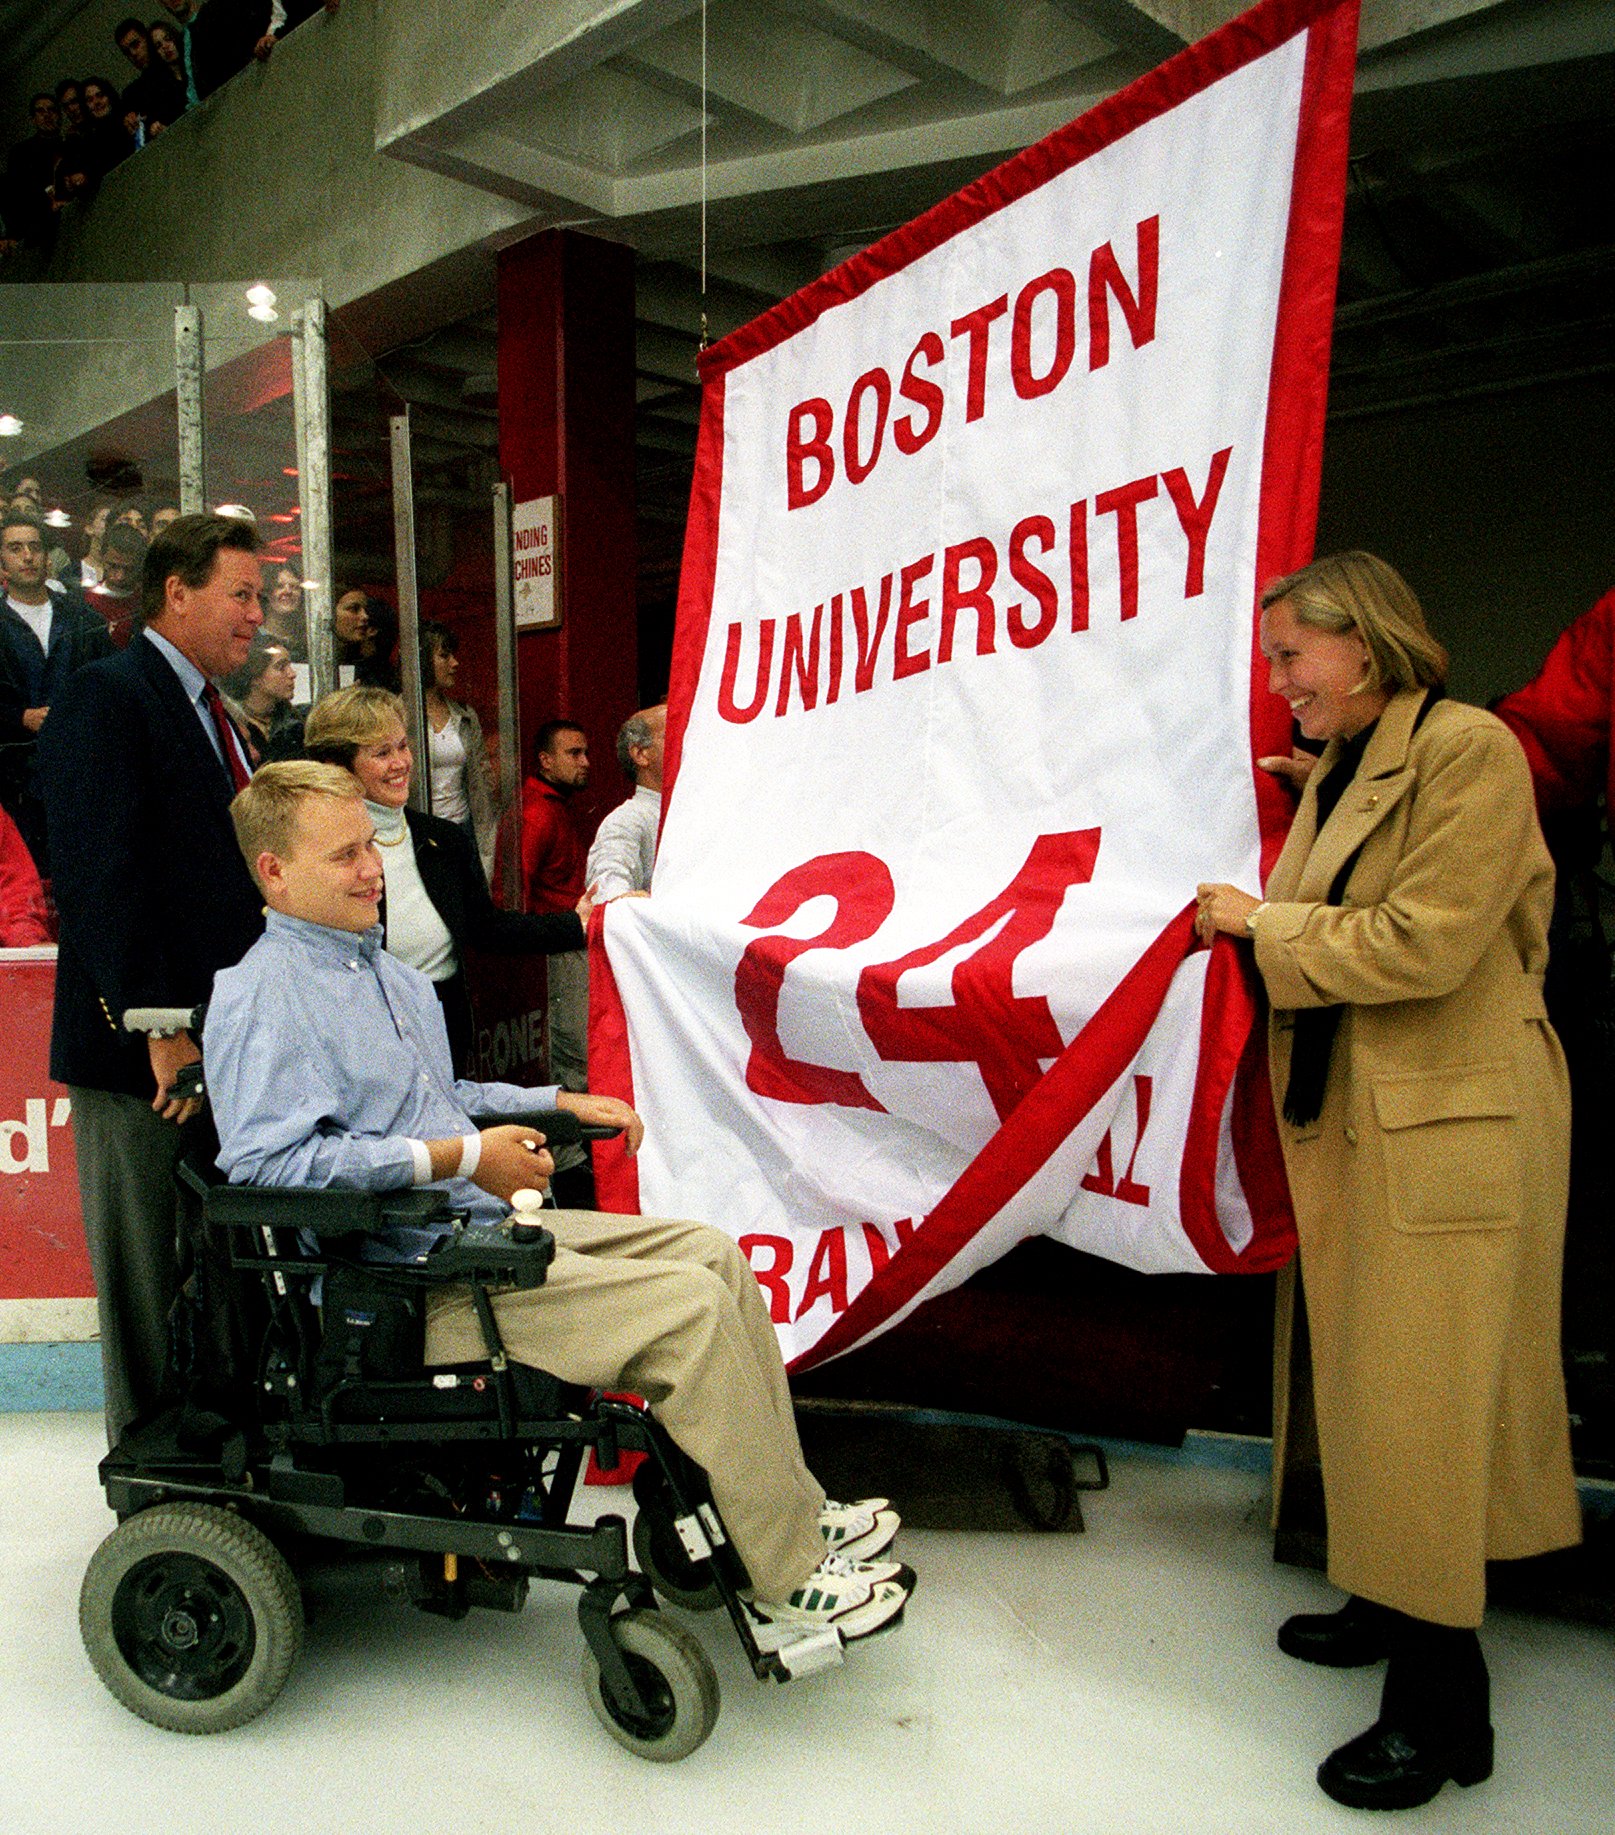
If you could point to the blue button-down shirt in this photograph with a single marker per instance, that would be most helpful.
(326, 1058)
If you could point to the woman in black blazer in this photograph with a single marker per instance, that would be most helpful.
(435, 904)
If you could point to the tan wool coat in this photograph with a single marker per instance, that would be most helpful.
(1430, 1193)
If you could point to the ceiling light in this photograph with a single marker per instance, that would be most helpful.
(260, 295)
(265, 315)
(10, 426)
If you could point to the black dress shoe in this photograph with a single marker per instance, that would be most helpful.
(1393, 1768)
(1359, 1633)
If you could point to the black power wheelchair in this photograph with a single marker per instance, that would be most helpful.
(295, 1421)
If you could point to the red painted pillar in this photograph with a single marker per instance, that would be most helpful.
(566, 425)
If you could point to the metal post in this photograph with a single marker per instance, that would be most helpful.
(409, 614)
(504, 622)
(188, 352)
(311, 404)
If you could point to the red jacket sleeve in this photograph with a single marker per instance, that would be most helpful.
(22, 898)
(1563, 717)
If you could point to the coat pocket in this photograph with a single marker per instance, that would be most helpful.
(1452, 1153)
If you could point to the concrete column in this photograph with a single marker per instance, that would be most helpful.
(566, 425)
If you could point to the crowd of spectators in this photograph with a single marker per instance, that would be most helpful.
(62, 609)
(87, 125)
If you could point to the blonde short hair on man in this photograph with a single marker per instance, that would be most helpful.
(338, 724)
(265, 813)
(1360, 592)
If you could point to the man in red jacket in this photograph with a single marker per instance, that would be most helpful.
(553, 856)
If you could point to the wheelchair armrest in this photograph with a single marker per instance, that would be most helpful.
(323, 1213)
(559, 1127)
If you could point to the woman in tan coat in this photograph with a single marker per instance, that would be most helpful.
(1426, 1137)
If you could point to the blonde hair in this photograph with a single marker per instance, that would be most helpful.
(265, 813)
(339, 723)
(1360, 592)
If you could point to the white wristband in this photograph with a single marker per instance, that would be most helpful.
(470, 1154)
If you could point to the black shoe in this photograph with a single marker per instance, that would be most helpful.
(1390, 1768)
(1359, 1633)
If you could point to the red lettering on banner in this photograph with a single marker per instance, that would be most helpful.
(800, 448)
(1004, 1034)
(827, 1274)
(1079, 565)
(728, 707)
(923, 393)
(1061, 284)
(1102, 1180)
(1044, 315)
(800, 662)
(910, 611)
(880, 1251)
(862, 889)
(1122, 503)
(1195, 518)
(969, 572)
(977, 327)
(978, 599)
(772, 1278)
(1024, 635)
(1105, 278)
(858, 467)
(869, 647)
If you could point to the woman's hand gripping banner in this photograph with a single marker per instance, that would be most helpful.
(967, 700)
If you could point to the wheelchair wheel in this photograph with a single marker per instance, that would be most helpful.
(191, 1617)
(676, 1677)
(665, 1563)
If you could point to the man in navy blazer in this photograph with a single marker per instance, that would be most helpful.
(46, 635)
(138, 763)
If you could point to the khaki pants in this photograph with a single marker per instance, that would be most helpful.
(672, 1312)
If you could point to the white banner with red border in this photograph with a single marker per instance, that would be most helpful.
(966, 701)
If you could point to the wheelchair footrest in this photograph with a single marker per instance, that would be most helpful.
(792, 1653)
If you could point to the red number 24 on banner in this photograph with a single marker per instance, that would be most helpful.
(988, 1024)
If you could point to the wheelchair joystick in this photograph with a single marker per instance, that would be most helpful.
(528, 1206)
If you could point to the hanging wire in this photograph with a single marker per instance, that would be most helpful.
(703, 344)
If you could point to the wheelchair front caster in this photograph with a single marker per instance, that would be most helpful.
(191, 1617)
(676, 1679)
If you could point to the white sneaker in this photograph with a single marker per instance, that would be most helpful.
(853, 1598)
(859, 1530)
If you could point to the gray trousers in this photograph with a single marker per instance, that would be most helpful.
(567, 1029)
(671, 1312)
(126, 1157)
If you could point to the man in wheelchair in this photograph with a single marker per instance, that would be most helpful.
(328, 1066)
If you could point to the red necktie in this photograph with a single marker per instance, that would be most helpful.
(214, 703)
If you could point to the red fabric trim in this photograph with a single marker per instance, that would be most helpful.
(1298, 384)
(696, 578)
(1258, 1157)
(1233, 1043)
(1223, 1031)
(611, 1073)
(1252, 35)
(1088, 1066)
